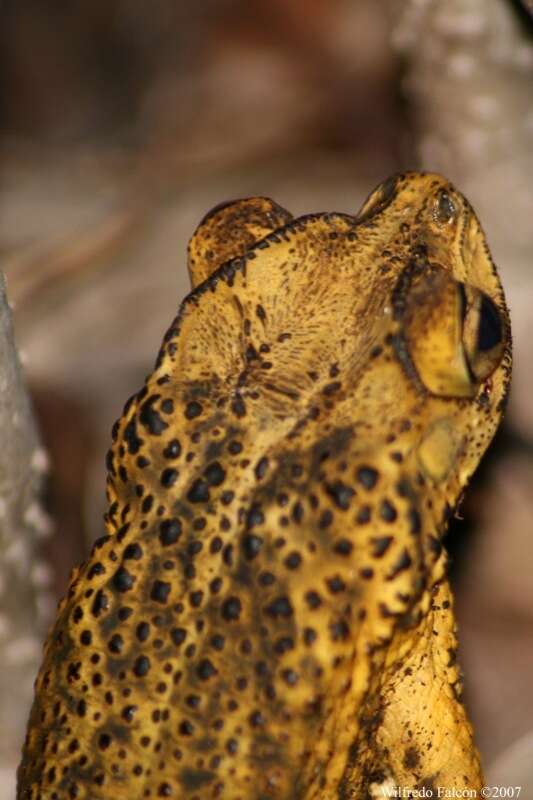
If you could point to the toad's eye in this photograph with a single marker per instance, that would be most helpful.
(444, 210)
(379, 199)
(483, 332)
(454, 333)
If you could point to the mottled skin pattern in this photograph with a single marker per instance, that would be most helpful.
(269, 615)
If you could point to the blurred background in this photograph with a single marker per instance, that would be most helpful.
(123, 122)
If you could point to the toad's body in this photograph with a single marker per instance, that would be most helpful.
(269, 616)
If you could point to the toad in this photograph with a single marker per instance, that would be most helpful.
(269, 614)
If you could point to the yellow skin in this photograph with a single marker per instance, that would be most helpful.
(269, 615)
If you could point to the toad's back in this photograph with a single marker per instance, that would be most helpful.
(269, 615)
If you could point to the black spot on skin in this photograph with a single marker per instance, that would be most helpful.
(385, 611)
(178, 636)
(403, 562)
(142, 631)
(293, 560)
(380, 545)
(403, 487)
(104, 741)
(335, 584)
(205, 669)
(261, 468)
(192, 700)
(256, 719)
(116, 643)
(238, 407)
(109, 462)
(214, 474)
(128, 713)
(194, 779)
(313, 599)
(325, 520)
(387, 511)
(193, 409)
(331, 388)
(169, 531)
(415, 523)
(266, 579)
(131, 438)
(123, 580)
(251, 353)
(340, 494)
(251, 545)
(411, 758)
(343, 547)
(199, 492)
(310, 636)
(186, 728)
(217, 642)
(167, 406)
(216, 545)
(280, 607)
(283, 645)
(297, 512)
(193, 548)
(367, 477)
(227, 497)
(147, 504)
(121, 533)
(290, 677)
(227, 555)
(133, 551)
(160, 591)
(150, 418)
(254, 516)
(339, 630)
(235, 448)
(169, 477)
(261, 313)
(141, 666)
(172, 450)
(114, 430)
(196, 598)
(363, 515)
(231, 609)
(95, 570)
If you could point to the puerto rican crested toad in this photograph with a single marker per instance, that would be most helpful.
(269, 614)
